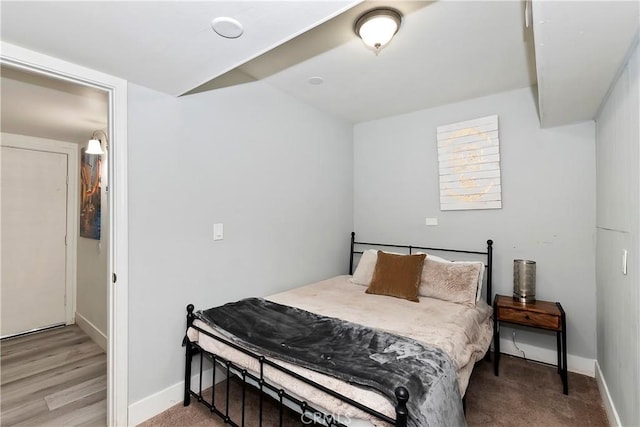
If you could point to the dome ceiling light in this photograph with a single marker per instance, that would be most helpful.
(377, 27)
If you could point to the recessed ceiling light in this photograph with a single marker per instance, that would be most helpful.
(316, 80)
(226, 27)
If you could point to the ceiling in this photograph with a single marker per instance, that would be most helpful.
(580, 47)
(445, 51)
(44, 107)
(164, 45)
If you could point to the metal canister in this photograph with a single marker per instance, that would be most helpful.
(524, 280)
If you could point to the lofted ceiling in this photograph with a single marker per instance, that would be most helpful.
(445, 51)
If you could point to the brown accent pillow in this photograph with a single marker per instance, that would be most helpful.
(397, 276)
(451, 281)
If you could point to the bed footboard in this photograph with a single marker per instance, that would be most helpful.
(283, 399)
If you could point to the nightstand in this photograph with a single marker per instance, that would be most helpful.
(538, 314)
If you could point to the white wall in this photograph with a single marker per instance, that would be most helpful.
(618, 224)
(274, 171)
(548, 214)
(93, 262)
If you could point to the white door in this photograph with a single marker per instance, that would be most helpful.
(33, 193)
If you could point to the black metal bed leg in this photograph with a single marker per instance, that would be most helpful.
(188, 358)
(187, 374)
(402, 413)
(353, 241)
(464, 404)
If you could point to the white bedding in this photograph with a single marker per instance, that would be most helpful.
(463, 333)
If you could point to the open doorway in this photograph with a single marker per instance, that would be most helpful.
(54, 271)
(51, 273)
(117, 268)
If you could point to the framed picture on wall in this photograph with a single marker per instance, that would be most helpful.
(90, 171)
(469, 165)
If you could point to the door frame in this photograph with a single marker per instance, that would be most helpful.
(117, 311)
(71, 247)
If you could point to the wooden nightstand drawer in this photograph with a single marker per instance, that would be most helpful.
(540, 320)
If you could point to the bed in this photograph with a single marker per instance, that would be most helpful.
(451, 335)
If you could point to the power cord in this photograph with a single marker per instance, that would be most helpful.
(516, 345)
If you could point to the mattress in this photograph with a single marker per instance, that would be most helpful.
(463, 332)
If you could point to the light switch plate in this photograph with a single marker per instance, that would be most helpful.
(431, 221)
(218, 232)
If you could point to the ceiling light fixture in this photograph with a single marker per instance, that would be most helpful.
(95, 145)
(377, 27)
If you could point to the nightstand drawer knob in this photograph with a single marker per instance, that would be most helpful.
(526, 316)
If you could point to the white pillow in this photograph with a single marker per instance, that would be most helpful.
(450, 281)
(364, 270)
(438, 259)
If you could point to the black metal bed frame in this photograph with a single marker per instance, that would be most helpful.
(308, 413)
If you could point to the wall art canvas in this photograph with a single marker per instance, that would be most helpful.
(469, 165)
(90, 209)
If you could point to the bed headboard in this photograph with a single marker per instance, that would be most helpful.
(488, 253)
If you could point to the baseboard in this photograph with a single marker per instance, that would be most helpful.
(159, 402)
(90, 329)
(580, 365)
(612, 414)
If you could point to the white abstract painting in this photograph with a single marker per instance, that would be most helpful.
(469, 165)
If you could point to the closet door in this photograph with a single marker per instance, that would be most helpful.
(33, 230)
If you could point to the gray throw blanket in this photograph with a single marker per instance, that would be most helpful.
(348, 351)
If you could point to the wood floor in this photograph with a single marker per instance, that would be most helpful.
(53, 378)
